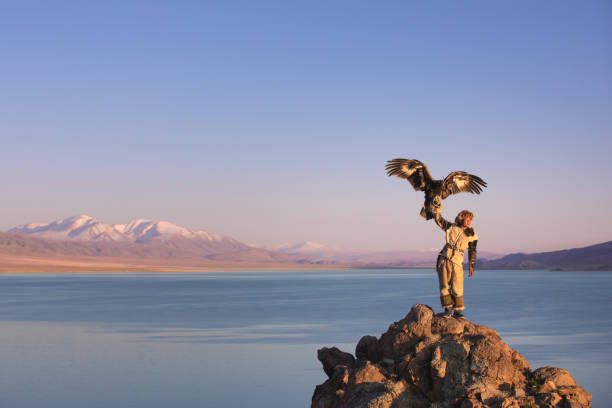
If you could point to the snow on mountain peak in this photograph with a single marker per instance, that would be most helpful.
(310, 244)
(78, 227)
(307, 247)
(80, 218)
(85, 228)
(146, 230)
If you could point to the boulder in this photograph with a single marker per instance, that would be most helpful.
(424, 360)
(367, 349)
(333, 357)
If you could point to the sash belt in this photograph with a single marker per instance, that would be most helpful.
(451, 247)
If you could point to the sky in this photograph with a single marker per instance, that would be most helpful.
(271, 121)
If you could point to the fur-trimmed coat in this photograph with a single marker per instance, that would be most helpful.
(457, 241)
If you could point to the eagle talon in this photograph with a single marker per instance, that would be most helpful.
(424, 214)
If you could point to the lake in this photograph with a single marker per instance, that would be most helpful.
(250, 338)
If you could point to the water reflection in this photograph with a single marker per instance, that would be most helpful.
(271, 333)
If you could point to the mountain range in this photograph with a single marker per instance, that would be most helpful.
(83, 235)
(86, 228)
(397, 258)
(592, 257)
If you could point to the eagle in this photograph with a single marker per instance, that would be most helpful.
(435, 190)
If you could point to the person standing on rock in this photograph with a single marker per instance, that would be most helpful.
(459, 237)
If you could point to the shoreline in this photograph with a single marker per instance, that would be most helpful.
(16, 264)
(37, 265)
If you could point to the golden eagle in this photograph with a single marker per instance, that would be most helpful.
(435, 190)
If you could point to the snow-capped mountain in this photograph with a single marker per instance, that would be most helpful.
(78, 227)
(146, 231)
(84, 235)
(86, 228)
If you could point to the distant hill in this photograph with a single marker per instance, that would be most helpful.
(22, 245)
(82, 235)
(85, 236)
(367, 258)
(593, 257)
(87, 229)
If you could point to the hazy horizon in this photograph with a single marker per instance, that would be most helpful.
(313, 245)
(271, 122)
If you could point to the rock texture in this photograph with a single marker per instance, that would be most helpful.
(427, 361)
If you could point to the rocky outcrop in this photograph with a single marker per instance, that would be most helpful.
(427, 361)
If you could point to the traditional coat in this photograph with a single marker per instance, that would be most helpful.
(450, 262)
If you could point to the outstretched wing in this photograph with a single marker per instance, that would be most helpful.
(412, 170)
(462, 182)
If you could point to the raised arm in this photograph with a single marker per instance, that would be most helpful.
(442, 223)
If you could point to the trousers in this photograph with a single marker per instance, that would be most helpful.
(450, 280)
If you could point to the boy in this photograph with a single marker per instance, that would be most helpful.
(459, 237)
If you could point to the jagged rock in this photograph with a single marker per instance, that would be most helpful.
(557, 376)
(556, 387)
(425, 360)
(367, 348)
(332, 357)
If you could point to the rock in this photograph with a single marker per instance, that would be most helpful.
(332, 357)
(425, 360)
(442, 326)
(367, 348)
(556, 387)
(403, 335)
(369, 373)
(557, 376)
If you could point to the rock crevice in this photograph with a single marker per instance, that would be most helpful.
(426, 360)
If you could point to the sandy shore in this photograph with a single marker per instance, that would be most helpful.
(29, 264)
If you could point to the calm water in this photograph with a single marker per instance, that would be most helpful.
(210, 340)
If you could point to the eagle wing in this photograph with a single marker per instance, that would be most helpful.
(412, 170)
(462, 182)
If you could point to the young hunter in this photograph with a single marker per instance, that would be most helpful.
(459, 237)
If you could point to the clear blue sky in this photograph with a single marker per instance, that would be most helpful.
(271, 121)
